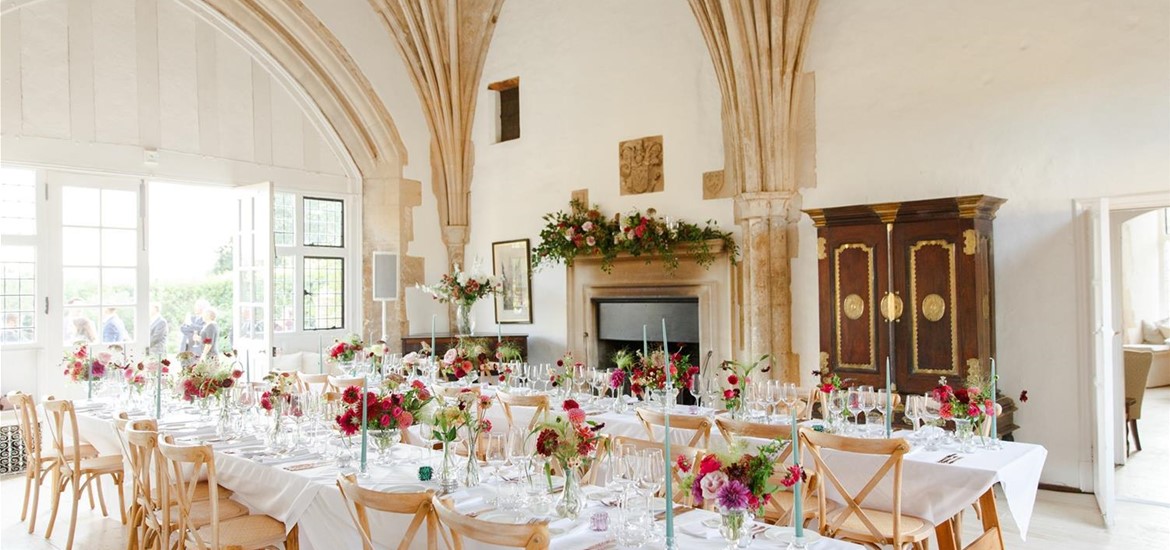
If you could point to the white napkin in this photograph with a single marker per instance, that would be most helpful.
(285, 460)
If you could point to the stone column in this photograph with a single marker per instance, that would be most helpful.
(765, 221)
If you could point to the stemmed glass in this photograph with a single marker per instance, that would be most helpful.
(581, 379)
(597, 380)
(836, 405)
(696, 391)
(652, 474)
(496, 452)
(914, 413)
(854, 402)
(869, 403)
(884, 410)
(789, 394)
(930, 413)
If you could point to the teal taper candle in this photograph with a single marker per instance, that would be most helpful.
(797, 512)
(667, 397)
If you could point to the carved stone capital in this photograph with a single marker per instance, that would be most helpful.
(773, 205)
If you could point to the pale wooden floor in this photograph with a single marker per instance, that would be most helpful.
(1061, 521)
(1145, 474)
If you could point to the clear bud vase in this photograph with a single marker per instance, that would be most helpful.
(735, 526)
(447, 481)
(965, 434)
(464, 323)
(572, 500)
(470, 476)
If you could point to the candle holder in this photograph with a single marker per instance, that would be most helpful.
(798, 543)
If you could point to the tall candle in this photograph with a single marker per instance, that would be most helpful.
(433, 351)
(645, 345)
(994, 396)
(158, 391)
(89, 378)
(364, 400)
(797, 513)
(248, 365)
(666, 438)
(499, 336)
(889, 399)
(320, 356)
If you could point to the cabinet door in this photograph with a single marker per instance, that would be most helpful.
(928, 277)
(852, 260)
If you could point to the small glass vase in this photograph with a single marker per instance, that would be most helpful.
(347, 367)
(447, 481)
(204, 407)
(735, 526)
(470, 475)
(464, 322)
(965, 434)
(384, 441)
(572, 498)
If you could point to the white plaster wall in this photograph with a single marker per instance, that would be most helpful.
(1039, 103)
(92, 83)
(592, 74)
(1143, 269)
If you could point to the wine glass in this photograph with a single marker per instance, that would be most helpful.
(695, 389)
(885, 405)
(653, 472)
(496, 452)
(930, 413)
(838, 397)
(913, 413)
(869, 405)
(789, 394)
(855, 404)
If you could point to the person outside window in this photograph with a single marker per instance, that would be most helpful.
(158, 332)
(113, 329)
(209, 336)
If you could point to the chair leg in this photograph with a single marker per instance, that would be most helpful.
(73, 520)
(36, 502)
(97, 480)
(1137, 439)
(293, 540)
(28, 477)
(118, 479)
(91, 504)
(58, 488)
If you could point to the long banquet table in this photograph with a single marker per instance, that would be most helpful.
(310, 498)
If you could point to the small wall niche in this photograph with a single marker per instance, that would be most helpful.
(508, 96)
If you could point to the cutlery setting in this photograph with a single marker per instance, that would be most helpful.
(949, 459)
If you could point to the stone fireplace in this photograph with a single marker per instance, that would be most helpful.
(606, 310)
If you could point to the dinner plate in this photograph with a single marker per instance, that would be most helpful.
(405, 488)
(711, 523)
(785, 534)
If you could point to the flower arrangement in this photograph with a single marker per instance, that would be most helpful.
(829, 380)
(467, 411)
(463, 288)
(739, 376)
(282, 387)
(585, 231)
(645, 374)
(569, 439)
(380, 350)
(736, 481)
(207, 379)
(346, 350)
(970, 403)
(455, 364)
(562, 377)
(81, 365)
(397, 409)
(508, 352)
(135, 375)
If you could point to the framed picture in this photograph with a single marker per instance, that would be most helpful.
(511, 261)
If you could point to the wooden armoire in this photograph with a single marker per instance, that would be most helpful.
(928, 265)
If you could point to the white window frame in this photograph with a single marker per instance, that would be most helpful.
(40, 248)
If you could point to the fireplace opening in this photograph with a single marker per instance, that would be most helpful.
(620, 323)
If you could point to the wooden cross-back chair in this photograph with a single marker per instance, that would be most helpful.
(358, 500)
(530, 536)
(339, 383)
(146, 497)
(691, 454)
(780, 506)
(538, 401)
(186, 465)
(39, 463)
(451, 392)
(72, 470)
(700, 424)
(314, 383)
(853, 521)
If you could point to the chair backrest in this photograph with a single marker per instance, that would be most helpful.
(315, 383)
(146, 465)
(1137, 371)
(30, 427)
(893, 449)
(700, 424)
(186, 465)
(691, 455)
(450, 392)
(62, 421)
(530, 536)
(359, 499)
(539, 401)
(339, 383)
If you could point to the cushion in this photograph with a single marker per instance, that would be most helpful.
(1164, 328)
(1151, 334)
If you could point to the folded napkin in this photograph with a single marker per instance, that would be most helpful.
(285, 460)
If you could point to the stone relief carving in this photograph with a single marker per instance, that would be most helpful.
(640, 162)
(715, 186)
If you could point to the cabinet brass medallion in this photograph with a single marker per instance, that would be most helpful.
(897, 305)
(933, 307)
(854, 306)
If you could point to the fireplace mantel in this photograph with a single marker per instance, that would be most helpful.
(631, 277)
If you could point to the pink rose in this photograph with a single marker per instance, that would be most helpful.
(450, 356)
(712, 483)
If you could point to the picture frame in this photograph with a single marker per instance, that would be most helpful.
(512, 265)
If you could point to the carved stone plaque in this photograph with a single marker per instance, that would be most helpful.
(714, 186)
(640, 162)
(581, 196)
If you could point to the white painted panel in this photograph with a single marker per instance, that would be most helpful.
(10, 101)
(115, 62)
(178, 97)
(287, 142)
(146, 30)
(311, 145)
(81, 43)
(327, 160)
(44, 66)
(234, 79)
(207, 80)
(262, 114)
(18, 370)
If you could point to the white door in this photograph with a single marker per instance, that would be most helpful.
(1101, 287)
(252, 286)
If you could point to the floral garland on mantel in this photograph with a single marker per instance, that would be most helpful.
(585, 232)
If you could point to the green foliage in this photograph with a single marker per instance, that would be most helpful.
(223, 259)
(178, 302)
(584, 232)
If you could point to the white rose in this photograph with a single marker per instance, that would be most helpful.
(712, 483)
(411, 358)
(427, 413)
(587, 227)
